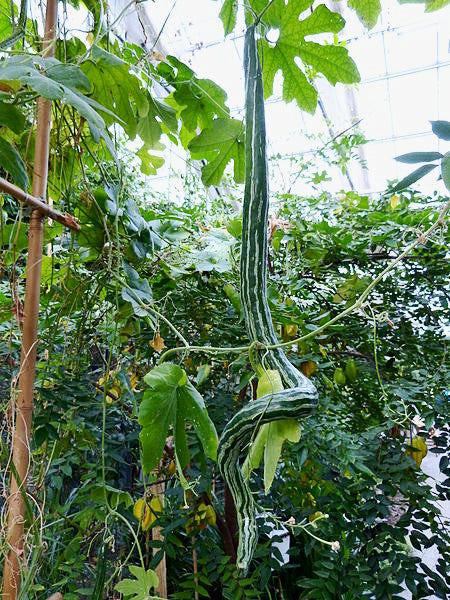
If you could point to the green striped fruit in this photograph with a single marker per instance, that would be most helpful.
(299, 398)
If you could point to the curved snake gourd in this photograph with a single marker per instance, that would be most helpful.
(300, 397)
(18, 30)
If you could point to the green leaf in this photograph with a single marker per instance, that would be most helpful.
(441, 129)
(228, 15)
(278, 433)
(116, 87)
(150, 162)
(445, 170)
(12, 162)
(192, 407)
(11, 117)
(197, 101)
(140, 291)
(271, 436)
(418, 157)
(138, 588)
(430, 5)
(220, 143)
(171, 400)
(368, 11)
(22, 68)
(330, 60)
(412, 177)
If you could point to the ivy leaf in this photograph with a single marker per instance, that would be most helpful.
(150, 162)
(332, 61)
(220, 143)
(138, 588)
(12, 162)
(228, 15)
(430, 5)
(368, 11)
(22, 68)
(170, 400)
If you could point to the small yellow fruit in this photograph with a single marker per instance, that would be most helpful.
(312, 517)
(138, 508)
(418, 449)
(171, 468)
(210, 515)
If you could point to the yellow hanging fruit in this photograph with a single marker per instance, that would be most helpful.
(418, 449)
(210, 515)
(138, 508)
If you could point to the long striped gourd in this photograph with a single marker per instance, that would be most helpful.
(300, 397)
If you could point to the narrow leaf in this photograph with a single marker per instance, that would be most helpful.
(418, 157)
(445, 170)
(441, 129)
(413, 177)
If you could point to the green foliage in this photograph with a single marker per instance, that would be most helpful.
(170, 400)
(330, 60)
(220, 143)
(442, 130)
(138, 588)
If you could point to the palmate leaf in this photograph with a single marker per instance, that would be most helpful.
(196, 101)
(332, 61)
(220, 143)
(48, 78)
(138, 588)
(171, 400)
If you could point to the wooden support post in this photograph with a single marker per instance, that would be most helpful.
(23, 407)
(157, 489)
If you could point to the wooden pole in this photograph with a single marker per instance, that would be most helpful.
(157, 490)
(23, 408)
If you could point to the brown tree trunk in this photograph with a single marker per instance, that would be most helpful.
(23, 406)
(157, 490)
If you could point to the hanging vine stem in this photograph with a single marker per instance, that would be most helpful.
(355, 306)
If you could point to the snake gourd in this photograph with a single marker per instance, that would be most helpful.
(300, 397)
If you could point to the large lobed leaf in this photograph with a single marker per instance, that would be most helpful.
(332, 61)
(171, 400)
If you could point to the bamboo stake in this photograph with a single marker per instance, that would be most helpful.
(24, 403)
(44, 209)
(157, 490)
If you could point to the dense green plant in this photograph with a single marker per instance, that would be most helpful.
(145, 270)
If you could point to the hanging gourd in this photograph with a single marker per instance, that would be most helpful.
(299, 398)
